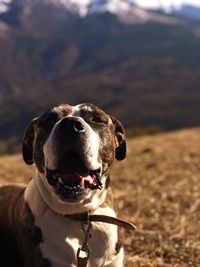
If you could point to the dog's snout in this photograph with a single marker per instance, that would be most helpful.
(72, 124)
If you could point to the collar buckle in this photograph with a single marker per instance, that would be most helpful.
(83, 252)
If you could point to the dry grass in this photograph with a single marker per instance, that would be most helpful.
(158, 188)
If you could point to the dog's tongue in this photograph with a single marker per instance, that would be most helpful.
(88, 179)
(76, 179)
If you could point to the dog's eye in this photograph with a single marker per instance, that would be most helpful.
(98, 120)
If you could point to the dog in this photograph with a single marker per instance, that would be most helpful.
(64, 217)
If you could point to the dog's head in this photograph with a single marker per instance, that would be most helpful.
(73, 148)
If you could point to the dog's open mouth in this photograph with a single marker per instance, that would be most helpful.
(72, 181)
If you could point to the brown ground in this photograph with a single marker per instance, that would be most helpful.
(157, 188)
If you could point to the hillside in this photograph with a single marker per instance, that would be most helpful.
(148, 67)
(157, 187)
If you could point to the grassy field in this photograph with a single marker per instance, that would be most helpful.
(158, 188)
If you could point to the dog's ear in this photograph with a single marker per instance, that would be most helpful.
(27, 148)
(120, 152)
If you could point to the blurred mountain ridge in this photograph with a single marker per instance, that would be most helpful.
(188, 11)
(144, 70)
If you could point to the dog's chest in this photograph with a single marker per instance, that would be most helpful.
(62, 238)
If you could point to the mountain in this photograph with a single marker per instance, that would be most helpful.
(188, 11)
(135, 67)
(126, 10)
(117, 7)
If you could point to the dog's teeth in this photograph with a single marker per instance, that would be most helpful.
(60, 180)
(82, 182)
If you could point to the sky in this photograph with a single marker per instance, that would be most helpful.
(167, 4)
(151, 3)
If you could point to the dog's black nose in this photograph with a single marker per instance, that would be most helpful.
(73, 124)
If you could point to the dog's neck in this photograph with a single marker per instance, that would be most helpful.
(40, 195)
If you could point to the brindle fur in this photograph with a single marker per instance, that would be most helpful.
(19, 236)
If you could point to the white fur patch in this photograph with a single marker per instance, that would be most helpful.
(76, 110)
